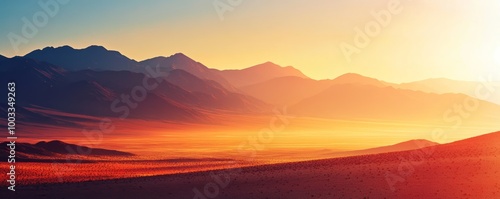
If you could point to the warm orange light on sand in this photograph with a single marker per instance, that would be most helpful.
(36, 173)
(302, 137)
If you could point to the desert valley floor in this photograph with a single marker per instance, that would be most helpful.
(464, 169)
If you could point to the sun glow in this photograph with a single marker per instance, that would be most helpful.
(496, 56)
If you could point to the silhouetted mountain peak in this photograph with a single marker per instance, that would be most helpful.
(69, 48)
(182, 61)
(177, 58)
(64, 48)
(181, 56)
(101, 50)
(96, 48)
(179, 61)
(93, 57)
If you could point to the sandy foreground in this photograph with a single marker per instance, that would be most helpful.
(464, 169)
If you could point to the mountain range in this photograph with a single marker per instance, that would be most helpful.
(96, 81)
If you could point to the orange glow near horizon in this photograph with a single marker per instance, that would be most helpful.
(301, 139)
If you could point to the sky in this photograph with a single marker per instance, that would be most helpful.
(407, 40)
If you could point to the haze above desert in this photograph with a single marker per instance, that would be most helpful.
(350, 112)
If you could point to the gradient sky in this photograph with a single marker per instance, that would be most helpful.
(458, 39)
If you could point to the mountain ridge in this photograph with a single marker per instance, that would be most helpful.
(92, 57)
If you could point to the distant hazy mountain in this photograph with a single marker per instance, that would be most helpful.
(353, 78)
(356, 96)
(292, 89)
(214, 94)
(259, 73)
(183, 62)
(93, 57)
(491, 90)
(440, 85)
(286, 90)
(371, 102)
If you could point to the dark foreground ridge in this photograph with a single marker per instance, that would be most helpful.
(41, 150)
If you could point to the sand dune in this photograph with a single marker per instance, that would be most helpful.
(463, 169)
(403, 146)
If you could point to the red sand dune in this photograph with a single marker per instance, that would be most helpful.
(403, 146)
(463, 169)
